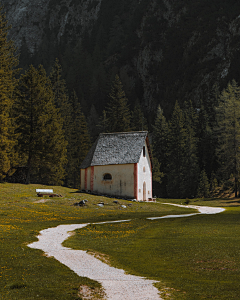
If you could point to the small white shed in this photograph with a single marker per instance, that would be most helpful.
(119, 164)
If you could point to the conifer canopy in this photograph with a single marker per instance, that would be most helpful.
(42, 145)
(8, 63)
(117, 111)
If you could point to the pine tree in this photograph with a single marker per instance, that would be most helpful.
(190, 163)
(206, 150)
(208, 139)
(157, 178)
(93, 121)
(176, 154)
(211, 103)
(228, 131)
(118, 113)
(160, 143)
(8, 63)
(160, 138)
(213, 183)
(183, 169)
(157, 174)
(203, 186)
(61, 94)
(42, 146)
(138, 120)
(62, 102)
(103, 122)
(79, 143)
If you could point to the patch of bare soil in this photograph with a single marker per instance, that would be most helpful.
(215, 265)
(103, 257)
(167, 293)
(42, 200)
(224, 193)
(226, 197)
(230, 202)
(87, 293)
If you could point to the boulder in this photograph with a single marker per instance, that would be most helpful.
(81, 203)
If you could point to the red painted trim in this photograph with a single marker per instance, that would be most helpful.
(80, 177)
(92, 178)
(151, 184)
(85, 179)
(136, 181)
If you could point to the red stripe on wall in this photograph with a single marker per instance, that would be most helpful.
(151, 182)
(85, 179)
(151, 195)
(92, 178)
(136, 181)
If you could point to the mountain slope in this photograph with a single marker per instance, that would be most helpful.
(164, 50)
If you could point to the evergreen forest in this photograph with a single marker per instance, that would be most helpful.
(47, 128)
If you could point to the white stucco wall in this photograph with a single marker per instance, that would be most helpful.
(122, 183)
(89, 178)
(144, 163)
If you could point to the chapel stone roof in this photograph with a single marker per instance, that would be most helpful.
(116, 148)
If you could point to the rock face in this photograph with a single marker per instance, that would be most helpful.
(31, 19)
(164, 50)
(28, 19)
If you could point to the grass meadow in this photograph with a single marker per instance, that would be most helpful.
(26, 273)
(193, 258)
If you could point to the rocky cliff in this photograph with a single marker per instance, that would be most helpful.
(164, 50)
(31, 20)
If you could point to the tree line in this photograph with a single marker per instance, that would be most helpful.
(43, 131)
(44, 134)
(198, 150)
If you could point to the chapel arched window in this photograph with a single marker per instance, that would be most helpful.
(107, 176)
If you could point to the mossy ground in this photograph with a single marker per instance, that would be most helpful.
(26, 273)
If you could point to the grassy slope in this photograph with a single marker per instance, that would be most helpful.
(195, 258)
(26, 273)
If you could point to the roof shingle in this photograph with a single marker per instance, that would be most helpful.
(115, 148)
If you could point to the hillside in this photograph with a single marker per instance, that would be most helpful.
(164, 50)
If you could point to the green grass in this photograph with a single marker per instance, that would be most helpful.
(26, 273)
(194, 258)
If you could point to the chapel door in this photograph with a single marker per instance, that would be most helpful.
(144, 191)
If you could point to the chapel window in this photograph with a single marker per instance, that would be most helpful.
(107, 176)
(144, 151)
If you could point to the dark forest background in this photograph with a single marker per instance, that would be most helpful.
(172, 72)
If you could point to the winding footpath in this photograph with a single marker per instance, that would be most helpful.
(117, 284)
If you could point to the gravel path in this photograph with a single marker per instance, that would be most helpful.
(202, 210)
(117, 284)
